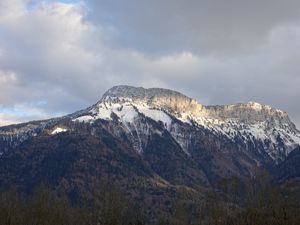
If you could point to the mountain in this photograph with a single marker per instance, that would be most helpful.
(151, 142)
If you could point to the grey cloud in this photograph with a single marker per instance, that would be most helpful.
(68, 55)
(201, 26)
(49, 53)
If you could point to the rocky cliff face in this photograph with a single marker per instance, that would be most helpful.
(188, 108)
(176, 102)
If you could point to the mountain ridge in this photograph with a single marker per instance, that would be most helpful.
(252, 124)
(160, 97)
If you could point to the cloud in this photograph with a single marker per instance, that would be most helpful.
(11, 9)
(199, 26)
(50, 49)
(6, 120)
(66, 55)
(23, 113)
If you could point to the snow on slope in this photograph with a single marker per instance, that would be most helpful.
(276, 137)
(126, 112)
(155, 114)
(58, 130)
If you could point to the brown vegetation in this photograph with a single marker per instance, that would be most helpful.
(233, 202)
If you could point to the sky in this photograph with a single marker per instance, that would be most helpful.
(57, 57)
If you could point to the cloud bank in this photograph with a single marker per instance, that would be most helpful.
(58, 57)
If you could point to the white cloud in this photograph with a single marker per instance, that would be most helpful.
(7, 120)
(51, 46)
(11, 9)
(7, 77)
(22, 113)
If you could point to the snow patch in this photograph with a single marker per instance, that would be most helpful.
(58, 130)
(126, 113)
(156, 115)
(84, 118)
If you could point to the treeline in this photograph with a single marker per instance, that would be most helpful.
(102, 205)
(253, 202)
(232, 202)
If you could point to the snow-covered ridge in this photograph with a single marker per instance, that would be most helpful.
(139, 93)
(188, 109)
(249, 121)
(177, 103)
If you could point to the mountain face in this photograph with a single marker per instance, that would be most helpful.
(138, 136)
(253, 126)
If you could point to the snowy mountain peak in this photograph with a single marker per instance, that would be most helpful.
(243, 121)
(135, 93)
(166, 99)
(179, 104)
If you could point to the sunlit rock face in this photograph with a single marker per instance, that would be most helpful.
(250, 112)
(184, 107)
(154, 97)
(176, 102)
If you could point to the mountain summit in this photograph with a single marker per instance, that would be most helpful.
(140, 93)
(177, 102)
